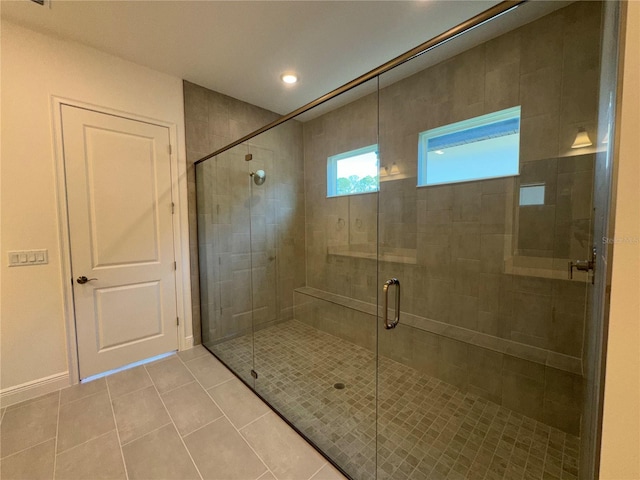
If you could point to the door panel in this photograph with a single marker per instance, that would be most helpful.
(116, 305)
(118, 176)
(122, 232)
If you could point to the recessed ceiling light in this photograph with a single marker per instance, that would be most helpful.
(289, 78)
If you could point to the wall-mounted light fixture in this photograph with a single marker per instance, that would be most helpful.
(582, 139)
(386, 171)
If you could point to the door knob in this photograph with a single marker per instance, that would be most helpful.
(82, 280)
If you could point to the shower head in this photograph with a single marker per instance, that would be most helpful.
(259, 176)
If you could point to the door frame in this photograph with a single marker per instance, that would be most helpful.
(180, 227)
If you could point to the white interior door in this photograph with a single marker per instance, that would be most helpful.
(118, 177)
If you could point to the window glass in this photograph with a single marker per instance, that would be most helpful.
(353, 172)
(479, 148)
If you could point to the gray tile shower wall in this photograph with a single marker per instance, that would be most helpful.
(230, 207)
(480, 260)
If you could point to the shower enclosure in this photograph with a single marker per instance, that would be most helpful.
(410, 273)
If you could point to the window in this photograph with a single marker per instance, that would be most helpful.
(532, 194)
(353, 172)
(479, 148)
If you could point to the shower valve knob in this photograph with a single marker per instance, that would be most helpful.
(584, 265)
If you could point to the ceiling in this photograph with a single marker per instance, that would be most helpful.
(240, 48)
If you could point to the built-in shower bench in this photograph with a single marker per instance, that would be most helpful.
(502, 345)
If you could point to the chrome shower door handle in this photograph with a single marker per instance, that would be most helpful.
(385, 315)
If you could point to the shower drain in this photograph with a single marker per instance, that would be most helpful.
(338, 386)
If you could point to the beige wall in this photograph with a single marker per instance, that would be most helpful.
(621, 424)
(36, 67)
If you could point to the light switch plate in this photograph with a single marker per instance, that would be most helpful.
(23, 258)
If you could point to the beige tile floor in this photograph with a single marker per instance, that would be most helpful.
(184, 417)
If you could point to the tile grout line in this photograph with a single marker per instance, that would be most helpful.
(545, 445)
(25, 449)
(55, 444)
(318, 471)
(546, 456)
(564, 447)
(495, 449)
(132, 391)
(115, 423)
(82, 398)
(148, 433)
(252, 421)
(224, 414)
(90, 439)
(205, 352)
(221, 383)
(173, 423)
(528, 462)
(86, 441)
(32, 401)
(174, 388)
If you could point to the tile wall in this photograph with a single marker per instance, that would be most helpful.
(230, 206)
(480, 260)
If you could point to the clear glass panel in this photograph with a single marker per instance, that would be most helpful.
(482, 377)
(223, 194)
(315, 346)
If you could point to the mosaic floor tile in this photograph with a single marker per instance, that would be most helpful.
(427, 428)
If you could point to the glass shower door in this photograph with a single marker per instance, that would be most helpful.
(313, 227)
(485, 205)
(223, 197)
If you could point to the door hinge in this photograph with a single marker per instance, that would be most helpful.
(173, 208)
(178, 321)
(175, 266)
(170, 149)
(254, 374)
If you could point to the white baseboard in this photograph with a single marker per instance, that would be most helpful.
(188, 342)
(27, 391)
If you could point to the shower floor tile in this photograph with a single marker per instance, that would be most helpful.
(427, 428)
